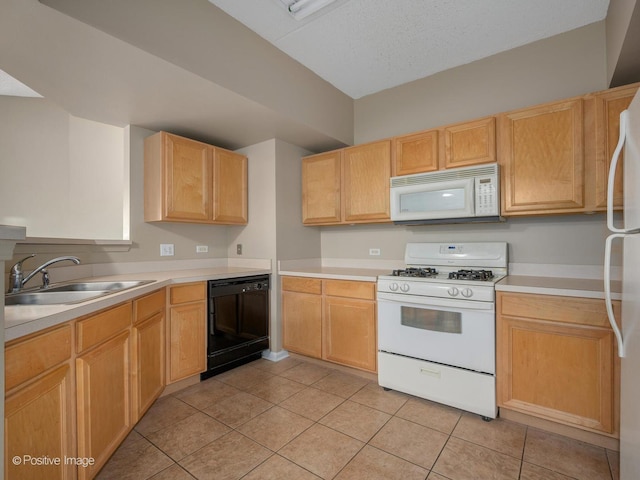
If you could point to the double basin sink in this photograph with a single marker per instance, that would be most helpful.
(73, 292)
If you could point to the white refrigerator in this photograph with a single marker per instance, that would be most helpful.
(628, 335)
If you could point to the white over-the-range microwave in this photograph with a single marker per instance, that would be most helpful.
(457, 195)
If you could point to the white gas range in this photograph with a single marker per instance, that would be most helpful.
(436, 324)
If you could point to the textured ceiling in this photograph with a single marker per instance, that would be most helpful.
(365, 46)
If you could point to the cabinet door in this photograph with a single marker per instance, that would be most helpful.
(366, 172)
(350, 332)
(187, 179)
(104, 401)
(187, 340)
(229, 188)
(542, 159)
(321, 176)
(608, 106)
(415, 153)
(557, 371)
(37, 422)
(470, 143)
(149, 363)
(302, 323)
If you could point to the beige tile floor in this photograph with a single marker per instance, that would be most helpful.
(300, 420)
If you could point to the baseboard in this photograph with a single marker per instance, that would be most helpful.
(275, 356)
(592, 438)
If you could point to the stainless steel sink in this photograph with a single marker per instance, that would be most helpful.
(95, 286)
(68, 293)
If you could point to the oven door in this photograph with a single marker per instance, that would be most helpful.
(459, 333)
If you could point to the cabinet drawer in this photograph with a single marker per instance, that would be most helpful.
(581, 311)
(27, 359)
(350, 289)
(302, 285)
(188, 292)
(97, 328)
(147, 306)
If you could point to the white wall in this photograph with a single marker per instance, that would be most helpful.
(62, 176)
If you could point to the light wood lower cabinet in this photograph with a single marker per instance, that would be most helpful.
(103, 385)
(39, 406)
(148, 355)
(330, 319)
(557, 360)
(186, 331)
(302, 315)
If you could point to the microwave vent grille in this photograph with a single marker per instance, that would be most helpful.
(444, 175)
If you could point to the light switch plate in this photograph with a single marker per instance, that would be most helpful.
(202, 248)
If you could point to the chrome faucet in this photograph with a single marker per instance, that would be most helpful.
(17, 278)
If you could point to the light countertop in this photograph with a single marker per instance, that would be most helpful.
(337, 273)
(22, 320)
(567, 287)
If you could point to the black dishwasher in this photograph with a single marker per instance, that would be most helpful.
(238, 322)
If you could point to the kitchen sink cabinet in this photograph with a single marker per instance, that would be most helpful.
(103, 385)
(186, 331)
(347, 186)
(190, 181)
(556, 359)
(459, 145)
(148, 355)
(39, 404)
(330, 319)
(302, 315)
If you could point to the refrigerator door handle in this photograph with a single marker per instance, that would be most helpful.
(607, 292)
(612, 175)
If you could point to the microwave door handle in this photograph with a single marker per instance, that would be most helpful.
(607, 292)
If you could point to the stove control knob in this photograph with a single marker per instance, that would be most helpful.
(393, 287)
(404, 287)
(453, 292)
(467, 293)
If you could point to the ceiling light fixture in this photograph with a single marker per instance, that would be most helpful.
(300, 9)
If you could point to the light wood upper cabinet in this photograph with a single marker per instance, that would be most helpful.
(459, 145)
(542, 159)
(321, 188)
(366, 172)
(347, 186)
(556, 360)
(602, 124)
(186, 331)
(230, 180)
(415, 153)
(470, 143)
(190, 181)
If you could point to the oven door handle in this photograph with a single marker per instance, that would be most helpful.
(426, 302)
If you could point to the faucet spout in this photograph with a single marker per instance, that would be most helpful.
(42, 267)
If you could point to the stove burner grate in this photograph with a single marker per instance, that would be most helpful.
(481, 275)
(415, 272)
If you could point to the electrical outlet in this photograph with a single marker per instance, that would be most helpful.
(374, 251)
(166, 249)
(202, 248)
(239, 249)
